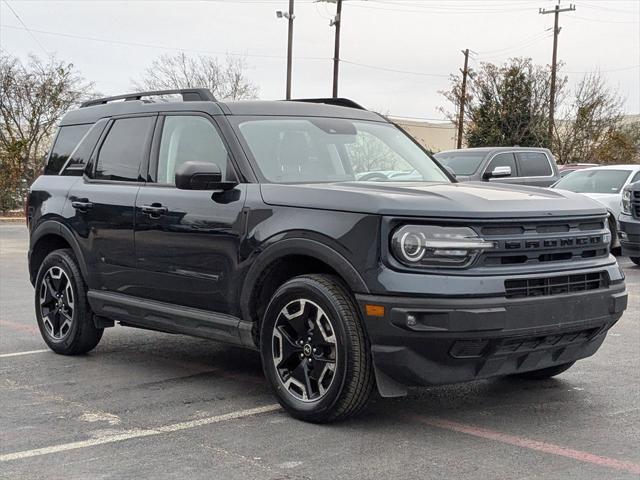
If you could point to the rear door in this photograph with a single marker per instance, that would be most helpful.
(535, 168)
(187, 241)
(103, 201)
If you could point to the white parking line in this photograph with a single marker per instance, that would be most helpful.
(18, 354)
(137, 433)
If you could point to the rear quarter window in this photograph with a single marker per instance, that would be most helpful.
(534, 164)
(80, 156)
(65, 143)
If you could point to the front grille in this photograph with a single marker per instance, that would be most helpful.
(636, 203)
(557, 285)
(535, 242)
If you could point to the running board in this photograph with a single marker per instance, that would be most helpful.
(165, 317)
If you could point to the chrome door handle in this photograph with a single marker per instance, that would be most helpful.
(155, 210)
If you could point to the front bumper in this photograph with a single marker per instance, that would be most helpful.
(629, 235)
(426, 341)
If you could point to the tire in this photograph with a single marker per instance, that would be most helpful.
(334, 358)
(635, 260)
(64, 317)
(545, 372)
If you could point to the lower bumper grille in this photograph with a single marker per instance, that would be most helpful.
(477, 348)
(558, 285)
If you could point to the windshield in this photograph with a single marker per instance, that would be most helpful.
(461, 162)
(314, 149)
(594, 181)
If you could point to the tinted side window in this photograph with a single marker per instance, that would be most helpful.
(534, 164)
(636, 178)
(123, 150)
(189, 139)
(80, 156)
(503, 160)
(66, 141)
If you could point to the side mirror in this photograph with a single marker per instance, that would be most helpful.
(201, 176)
(498, 172)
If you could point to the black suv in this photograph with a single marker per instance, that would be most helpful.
(245, 222)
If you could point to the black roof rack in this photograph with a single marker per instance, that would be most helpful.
(340, 102)
(188, 95)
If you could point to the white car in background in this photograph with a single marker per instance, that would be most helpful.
(605, 185)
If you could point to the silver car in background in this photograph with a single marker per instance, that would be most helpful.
(605, 185)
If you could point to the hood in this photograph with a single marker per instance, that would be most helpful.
(421, 199)
(610, 200)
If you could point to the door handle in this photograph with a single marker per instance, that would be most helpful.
(82, 205)
(155, 210)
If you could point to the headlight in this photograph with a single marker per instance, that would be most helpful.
(626, 202)
(433, 246)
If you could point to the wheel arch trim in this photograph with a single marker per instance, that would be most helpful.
(304, 247)
(56, 228)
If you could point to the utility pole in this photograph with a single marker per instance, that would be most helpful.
(463, 96)
(289, 16)
(337, 21)
(554, 62)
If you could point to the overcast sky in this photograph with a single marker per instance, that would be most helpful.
(424, 37)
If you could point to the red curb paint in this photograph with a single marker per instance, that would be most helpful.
(19, 327)
(531, 444)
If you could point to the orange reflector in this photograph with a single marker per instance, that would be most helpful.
(374, 310)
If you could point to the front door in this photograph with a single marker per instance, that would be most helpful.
(187, 241)
(103, 202)
(504, 159)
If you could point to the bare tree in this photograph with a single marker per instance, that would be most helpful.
(592, 119)
(226, 80)
(34, 95)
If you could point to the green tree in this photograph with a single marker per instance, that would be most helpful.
(507, 104)
(34, 95)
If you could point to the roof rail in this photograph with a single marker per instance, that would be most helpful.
(188, 95)
(340, 102)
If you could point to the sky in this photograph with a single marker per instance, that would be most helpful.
(397, 54)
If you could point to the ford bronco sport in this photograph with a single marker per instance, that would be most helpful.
(244, 222)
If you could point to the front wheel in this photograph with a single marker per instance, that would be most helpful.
(635, 260)
(315, 351)
(545, 372)
(62, 310)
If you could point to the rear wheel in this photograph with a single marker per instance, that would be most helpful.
(314, 350)
(635, 260)
(64, 317)
(545, 372)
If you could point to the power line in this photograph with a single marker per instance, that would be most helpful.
(159, 47)
(384, 69)
(600, 20)
(15, 14)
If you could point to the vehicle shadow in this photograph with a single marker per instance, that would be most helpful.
(202, 363)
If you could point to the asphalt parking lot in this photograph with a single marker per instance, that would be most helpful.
(152, 405)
